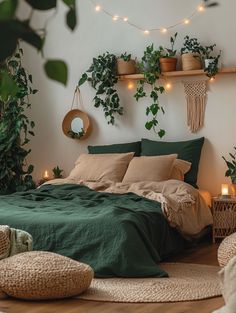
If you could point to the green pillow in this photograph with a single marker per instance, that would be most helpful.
(117, 148)
(187, 150)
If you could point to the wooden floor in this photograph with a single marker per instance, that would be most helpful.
(202, 254)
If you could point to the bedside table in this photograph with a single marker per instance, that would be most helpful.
(224, 217)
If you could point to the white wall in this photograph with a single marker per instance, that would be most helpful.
(96, 33)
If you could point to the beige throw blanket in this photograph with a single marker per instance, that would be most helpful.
(182, 204)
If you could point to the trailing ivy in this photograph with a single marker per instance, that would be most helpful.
(150, 67)
(15, 126)
(102, 75)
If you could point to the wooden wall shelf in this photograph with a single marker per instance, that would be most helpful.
(226, 70)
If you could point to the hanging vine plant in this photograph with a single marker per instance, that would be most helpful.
(15, 126)
(102, 75)
(150, 67)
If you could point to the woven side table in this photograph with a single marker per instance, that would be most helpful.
(224, 217)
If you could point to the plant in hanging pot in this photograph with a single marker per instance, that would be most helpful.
(150, 68)
(126, 65)
(191, 54)
(168, 60)
(211, 62)
(102, 75)
(231, 171)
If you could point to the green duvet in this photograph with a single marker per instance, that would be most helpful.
(117, 235)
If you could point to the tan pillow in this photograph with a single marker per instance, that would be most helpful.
(150, 168)
(180, 168)
(97, 167)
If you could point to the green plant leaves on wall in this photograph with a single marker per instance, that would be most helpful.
(57, 70)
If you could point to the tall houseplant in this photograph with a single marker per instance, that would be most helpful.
(15, 126)
(231, 171)
(102, 75)
(150, 67)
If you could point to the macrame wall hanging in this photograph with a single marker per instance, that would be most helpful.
(196, 96)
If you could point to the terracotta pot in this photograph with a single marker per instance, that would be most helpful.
(168, 64)
(126, 67)
(191, 61)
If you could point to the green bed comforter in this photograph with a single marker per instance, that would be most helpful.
(117, 235)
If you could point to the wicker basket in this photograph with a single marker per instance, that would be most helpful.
(191, 61)
(224, 217)
(126, 67)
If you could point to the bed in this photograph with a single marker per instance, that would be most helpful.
(99, 216)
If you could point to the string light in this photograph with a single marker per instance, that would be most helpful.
(97, 8)
(164, 30)
(168, 86)
(130, 85)
(199, 9)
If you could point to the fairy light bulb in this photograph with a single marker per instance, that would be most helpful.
(115, 17)
(97, 8)
(168, 86)
(186, 22)
(125, 19)
(201, 8)
(146, 32)
(130, 85)
(164, 30)
(212, 79)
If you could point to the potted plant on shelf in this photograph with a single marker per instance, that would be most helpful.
(191, 54)
(211, 62)
(168, 60)
(150, 67)
(102, 75)
(126, 65)
(57, 172)
(231, 171)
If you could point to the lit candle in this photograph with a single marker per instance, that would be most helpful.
(225, 191)
(46, 175)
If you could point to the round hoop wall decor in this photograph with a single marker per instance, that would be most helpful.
(76, 125)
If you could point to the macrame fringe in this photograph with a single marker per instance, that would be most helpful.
(196, 97)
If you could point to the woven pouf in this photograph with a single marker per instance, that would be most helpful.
(227, 250)
(39, 275)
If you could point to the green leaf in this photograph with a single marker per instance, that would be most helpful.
(42, 4)
(161, 133)
(149, 125)
(69, 3)
(71, 18)
(9, 38)
(7, 9)
(83, 79)
(8, 87)
(57, 70)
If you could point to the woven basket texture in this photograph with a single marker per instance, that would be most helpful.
(227, 250)
(39, 275)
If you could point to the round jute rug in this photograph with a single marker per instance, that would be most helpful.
(186, 282)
